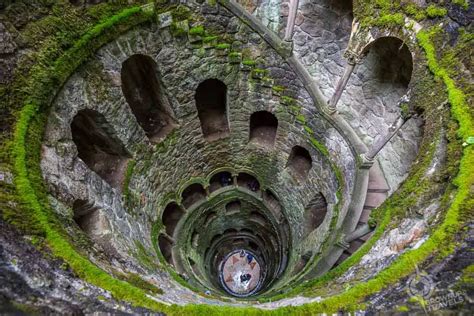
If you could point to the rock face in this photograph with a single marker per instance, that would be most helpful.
(195, 140)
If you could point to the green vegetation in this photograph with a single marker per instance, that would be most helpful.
(197, 31)
(249, 62)
(433, 11)
(181, 13)
(223, 46)
(126, 182)
(145, 257)
(462, 3)
(289, 101)
(137, 281)
(390, 20)
(180, 28)
(210, 39)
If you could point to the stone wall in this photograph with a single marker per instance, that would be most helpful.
(163, 170)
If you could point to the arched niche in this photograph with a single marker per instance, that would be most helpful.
(390, 62)
(192, 194)
(98, 147)
(166, 247)
(248, 181)
(220, 180)
(258, 217)
(209, 218)
(233, 207)
(171, 216)
(263, 128)
(93, 223)
(299, 162)
(211, 104)
(273, 203)
(315, 213)
(230, 231)
(145, 96)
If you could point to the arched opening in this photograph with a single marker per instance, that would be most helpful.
(315, 213)
(220, 180)
(98, 147)
(232, 207)
(263, 128)
(299, 162)
(390, 60)
(230, 231)
(211, 103)
(209, 218)
(253, 246)
(94, 223)
(192, 194)
(272, 203)
(248, 181)
(171, 216)
(166, 246)
(145, 96)
(257, 217)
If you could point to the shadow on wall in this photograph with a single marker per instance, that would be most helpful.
(299, 162)
(144, 94)
(211, 104)
(263, 128)
(98, 148)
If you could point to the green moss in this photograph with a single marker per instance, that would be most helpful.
(223, 46)
(390, 20)
(320, 147)
(137, 281)
(416, 12)
(146, 258)
(126, 182)
(180, 28)
(286, 100)
(403, 308)
(210, 39)
(434, 11)
(462, 3)
(196, 31)
(278, 88)
(249, 62)
(301, 119)
(235, 54)
(181, 13)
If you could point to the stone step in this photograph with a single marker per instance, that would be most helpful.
(364, 216)
(354, 245)
(374, 199)
(377, 182)
(366, 237)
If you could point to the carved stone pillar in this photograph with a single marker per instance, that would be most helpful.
(290, 25)
(380, 143)
(353, 59)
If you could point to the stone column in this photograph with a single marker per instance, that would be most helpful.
(380, 143)
(352, 60)
(359, 232)
(234, 179)
(291, 19)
